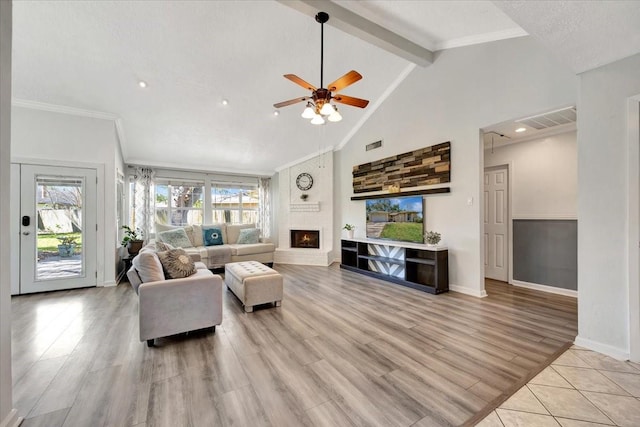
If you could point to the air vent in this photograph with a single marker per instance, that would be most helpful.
(550, 119)
(374, 145)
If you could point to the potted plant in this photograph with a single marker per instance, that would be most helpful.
(132, 239)
(67, 246)
(304, 197)
(350, 228)
(432, 238)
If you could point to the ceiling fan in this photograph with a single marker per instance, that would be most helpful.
(319, 103)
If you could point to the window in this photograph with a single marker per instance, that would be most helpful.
(234, 205)
(179, 203)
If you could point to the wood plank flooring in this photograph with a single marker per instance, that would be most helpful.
(343, 350)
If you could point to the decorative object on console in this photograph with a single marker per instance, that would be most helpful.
(319, 104)
(304, 181)
(432, 238)
(350, 229)
(132, 239)
(426, 166)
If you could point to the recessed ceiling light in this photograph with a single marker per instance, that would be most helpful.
(276, 113)
(142, 84)
(521, 130)
(225, 102)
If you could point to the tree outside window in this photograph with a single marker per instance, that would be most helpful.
(179, 204)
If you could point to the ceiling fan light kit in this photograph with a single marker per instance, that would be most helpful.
(319, 106)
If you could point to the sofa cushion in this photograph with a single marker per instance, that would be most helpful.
(188, 229)
(176, 237)
(197, 235)
(148, 266)
(176, 263)
(162, 246)
(233, 231)
(249, 235)
(211, 235)
(250, 249)
(197, 229)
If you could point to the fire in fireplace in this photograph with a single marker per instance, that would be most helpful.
(305, 239)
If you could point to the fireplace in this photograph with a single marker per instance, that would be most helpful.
(308, 239)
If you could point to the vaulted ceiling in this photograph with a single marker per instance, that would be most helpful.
(90, 56)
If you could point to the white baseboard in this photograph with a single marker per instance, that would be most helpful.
(607, 349)
(11, 420)
(108, 284)
(468, 291)
(545, 288)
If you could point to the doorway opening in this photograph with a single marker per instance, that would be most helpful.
(529, 215)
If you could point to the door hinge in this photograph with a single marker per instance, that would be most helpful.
(96, 274)
(96, 227)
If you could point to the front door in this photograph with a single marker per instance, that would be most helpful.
(57, 228)
(496, 227)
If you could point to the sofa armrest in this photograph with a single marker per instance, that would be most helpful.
(174, 306)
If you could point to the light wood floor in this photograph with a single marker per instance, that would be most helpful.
(343, 350)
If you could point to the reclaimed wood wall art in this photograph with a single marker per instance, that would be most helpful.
(426, 166)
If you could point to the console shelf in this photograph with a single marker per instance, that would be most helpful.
(413, 265)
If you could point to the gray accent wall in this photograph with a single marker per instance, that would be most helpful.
(545, 252)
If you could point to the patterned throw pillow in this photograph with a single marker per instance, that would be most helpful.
(176, 238)
(248, 236)
(211, 235)
(161, 247)
(176, 264)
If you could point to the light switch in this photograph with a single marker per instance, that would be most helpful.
(470, 201)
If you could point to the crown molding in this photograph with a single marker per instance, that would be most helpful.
(221, 170)
(63, 109)
(81, 112)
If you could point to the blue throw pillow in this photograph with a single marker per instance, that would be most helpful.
(211, 235)
(248, 236)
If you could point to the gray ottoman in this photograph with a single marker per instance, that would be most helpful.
(253, 283)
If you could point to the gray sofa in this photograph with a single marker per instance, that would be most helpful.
(172, 306)
(230, 251)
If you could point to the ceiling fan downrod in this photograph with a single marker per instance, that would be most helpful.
(322, 17)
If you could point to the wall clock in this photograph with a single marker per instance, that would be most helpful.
(304, 181)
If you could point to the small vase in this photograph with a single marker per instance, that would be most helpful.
(350, 234)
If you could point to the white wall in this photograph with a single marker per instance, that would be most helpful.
(7, 415)
(544, 176)
(464, 90)
(50, 136)
(604, 201)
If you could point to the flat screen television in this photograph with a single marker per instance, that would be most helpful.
(396, 218)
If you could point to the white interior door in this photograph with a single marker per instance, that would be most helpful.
(496, 227)
(57, 228)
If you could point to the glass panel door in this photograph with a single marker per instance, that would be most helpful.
(58, 228)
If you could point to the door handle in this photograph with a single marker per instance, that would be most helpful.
(26, 233)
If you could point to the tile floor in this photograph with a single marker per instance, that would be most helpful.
(581, 388)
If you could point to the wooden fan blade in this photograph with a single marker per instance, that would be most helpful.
(299, 81)
(291, 101)
(350, 100)
(348, 79)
